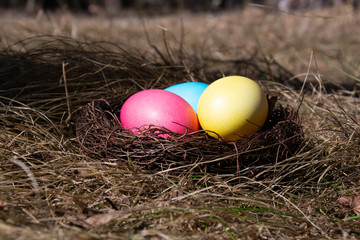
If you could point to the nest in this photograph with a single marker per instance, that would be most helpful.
(89, 71)
(101, 135)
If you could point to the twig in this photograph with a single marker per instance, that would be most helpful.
(30, 175)
(66, 92)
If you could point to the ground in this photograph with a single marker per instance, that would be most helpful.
(53, 65)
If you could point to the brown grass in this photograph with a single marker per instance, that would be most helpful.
(51, 190)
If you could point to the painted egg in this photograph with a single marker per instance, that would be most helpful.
(190, 91)
(232, 107)
(156, 107)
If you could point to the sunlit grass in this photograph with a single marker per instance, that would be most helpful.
(296, 198)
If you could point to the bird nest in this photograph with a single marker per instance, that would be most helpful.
(101, 135)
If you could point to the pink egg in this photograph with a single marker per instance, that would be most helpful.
(159, 108)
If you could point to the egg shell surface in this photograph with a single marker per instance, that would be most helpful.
(233, 107)
(190, 91)
(159, 108)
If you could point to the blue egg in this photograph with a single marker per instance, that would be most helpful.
(190, 91)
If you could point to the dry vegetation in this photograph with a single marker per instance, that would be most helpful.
(50, 189)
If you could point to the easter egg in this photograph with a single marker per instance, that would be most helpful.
(233, 107)
(190, 91)
(156, 107)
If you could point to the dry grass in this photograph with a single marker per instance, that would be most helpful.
(51, 190)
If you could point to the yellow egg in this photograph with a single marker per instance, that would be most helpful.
(233, 107)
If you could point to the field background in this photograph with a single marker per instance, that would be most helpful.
(51, 190)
